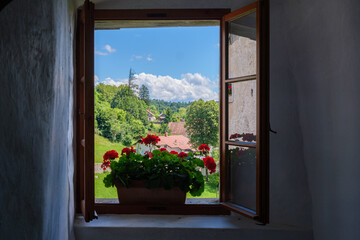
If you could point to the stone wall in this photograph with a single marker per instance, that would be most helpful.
(315, 85)
(36, 127)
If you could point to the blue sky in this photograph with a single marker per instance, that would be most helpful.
(176, 64)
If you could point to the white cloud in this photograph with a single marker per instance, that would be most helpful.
(218, 45)
(101, 53)
(109, 81)
(190, 87)
(149, 59)
(109, 48)
(138, 57)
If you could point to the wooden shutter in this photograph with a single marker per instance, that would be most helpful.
(245, 109)
(85, 111)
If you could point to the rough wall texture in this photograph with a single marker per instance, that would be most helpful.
(315, 65)
(36, 173)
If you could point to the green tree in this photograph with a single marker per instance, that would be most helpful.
(132, 86)
(202, 123)
(164, 127)
(126, 100)
(153, 109)
(106, 92)
(169, 116)
(182, 112)
(144, 94)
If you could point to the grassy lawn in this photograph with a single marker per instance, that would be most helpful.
(102, 192)
(102, 145)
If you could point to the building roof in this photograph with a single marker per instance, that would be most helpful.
(149, 112)
(176, 141)
(177, 128)
(162, 116)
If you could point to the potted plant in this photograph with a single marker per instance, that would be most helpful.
(159, 176)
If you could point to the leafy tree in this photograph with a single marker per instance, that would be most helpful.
(164, 127)
(109, 121)
(153, 109)
(126, 100)
(105, 92)
(144, 94)
(202, 123)
(169, 116)
(182, 112)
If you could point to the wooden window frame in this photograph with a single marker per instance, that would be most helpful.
(262, 112)
(85, 114)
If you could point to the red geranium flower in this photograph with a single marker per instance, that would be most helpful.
(112, 154)
(174, 152)
(127, 151)
(235, 135)
(163, 149)
(210, 164)
(249, 137)
(150, 155)
(105, 164)
(182, 155)
(150, 139)
(204, 147)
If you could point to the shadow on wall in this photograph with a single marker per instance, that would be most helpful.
(4, 3)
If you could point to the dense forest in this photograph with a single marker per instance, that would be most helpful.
(161, 105)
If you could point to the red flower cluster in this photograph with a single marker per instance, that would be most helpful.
(163, 149)
(127, 151)
(204, 147)
(174, 152)
(249, 137)
(112, 154)
(108, 156)
(182, 155)
(235, 135)
(149, 154)
(210, 164)
(150, 139)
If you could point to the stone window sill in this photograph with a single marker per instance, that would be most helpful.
(176, 227)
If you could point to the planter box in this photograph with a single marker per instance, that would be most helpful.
(137, 193)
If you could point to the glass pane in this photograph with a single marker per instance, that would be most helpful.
(242, 46)
(242, 111)
(242, 162)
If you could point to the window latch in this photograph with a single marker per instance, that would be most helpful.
(275, 132)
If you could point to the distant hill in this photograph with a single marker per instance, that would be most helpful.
(161, 105)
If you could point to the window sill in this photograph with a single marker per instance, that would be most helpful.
(172, 227)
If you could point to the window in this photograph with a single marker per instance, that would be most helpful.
(243, 147)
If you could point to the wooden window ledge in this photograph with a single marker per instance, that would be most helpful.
(176, 227)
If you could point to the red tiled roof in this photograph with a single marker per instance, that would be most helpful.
(177, 128)
(176, 141)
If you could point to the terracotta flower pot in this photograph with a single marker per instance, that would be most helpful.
(137, 193)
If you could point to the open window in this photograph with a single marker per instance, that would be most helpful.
(243, 109)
